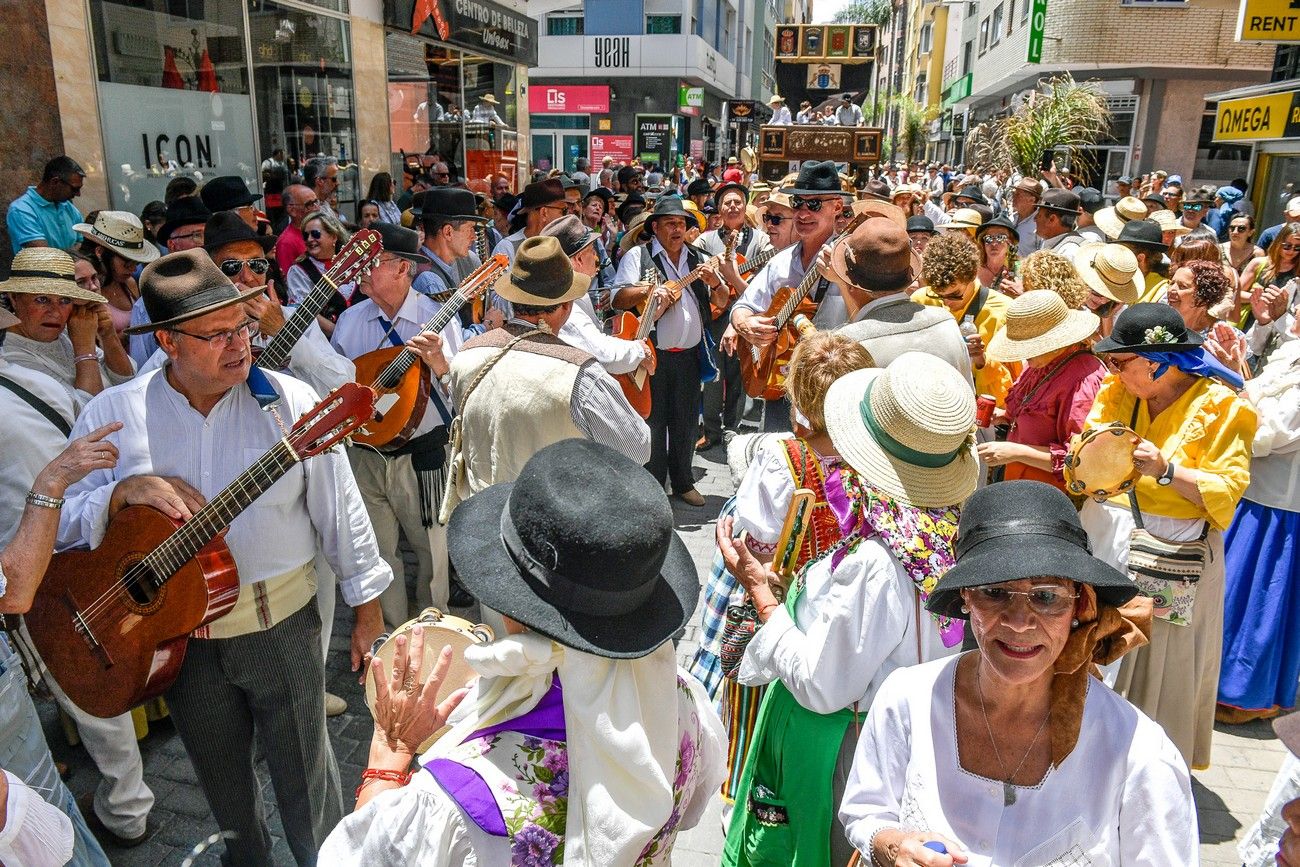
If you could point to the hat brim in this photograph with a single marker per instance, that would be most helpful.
(920, 486)
(799, 191)
(730, 185)
(1108, 220)
(959, 224)
(632, 236)
(7, 319)
(1014, 558)
(267, 242)
(487, 571)
(49, 286)
(1077, 327)
(146, 254)
(1109, 344)
(515, 295)
(148, 327)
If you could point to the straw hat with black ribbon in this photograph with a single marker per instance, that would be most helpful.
(47, 271)
(1039, 322)
(1111, 220)
(122, 232)
(907, 429)
(1110, 270)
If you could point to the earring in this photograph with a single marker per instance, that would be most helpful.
(965, 610)
(1074, 624)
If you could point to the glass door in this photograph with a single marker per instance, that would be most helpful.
(543, 151)
(575, 147)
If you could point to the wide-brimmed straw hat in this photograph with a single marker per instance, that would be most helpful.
(1110, 270)
(1168, 221)
(632, 236)
(122, 232)
(1111, 220)
(580, 548)
(907, 429)
(1023, 529)
(964, 218)
(1039, 322)
(541, 275)
(47, 271)
(182, 286)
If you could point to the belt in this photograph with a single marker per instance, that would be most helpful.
(681, 349)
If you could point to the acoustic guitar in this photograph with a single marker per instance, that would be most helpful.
(112, 623)
(350, 264)
(398, 377)
(628, 326)
(746, 268)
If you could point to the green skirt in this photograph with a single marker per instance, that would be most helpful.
(785, 808)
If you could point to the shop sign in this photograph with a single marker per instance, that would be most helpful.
(741, 111)
(617, 147)
(613, 52)
(1269, 21)
(653, 138)
(478, 25)
(1254, 118)
(1037, 21)
(690, 100)
(153, 133)
(568, 98)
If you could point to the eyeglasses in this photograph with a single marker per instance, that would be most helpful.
(1046, 600)
(996, 239)
(306, 206)
(937, 297)
(232, 267)
(774, 219)
(442, 174)
(1117, 365)
(813, 205)
(1171, 195)
(222, 339)
(196, 235)
(1239, 228)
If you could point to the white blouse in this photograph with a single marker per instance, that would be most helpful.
(852, 627)
(1122, 796)
(1275, 465)
(765, 492)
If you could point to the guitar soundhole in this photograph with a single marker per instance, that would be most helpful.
(140, 585)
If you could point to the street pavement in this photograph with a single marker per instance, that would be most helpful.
(1228, 796)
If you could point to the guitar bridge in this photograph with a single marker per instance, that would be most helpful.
(82, 628)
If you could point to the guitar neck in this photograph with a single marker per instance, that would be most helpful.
(481, 240)
(397, 368)
(182, 545)
(757, 262)
(647, 322)
(796, 298)
(276, 353)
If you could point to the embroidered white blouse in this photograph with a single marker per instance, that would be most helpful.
(1122, 796)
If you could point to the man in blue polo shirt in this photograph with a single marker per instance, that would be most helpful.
(44, 215)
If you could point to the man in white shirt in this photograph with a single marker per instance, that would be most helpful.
(1024, 203)
(780, 112)
(683, 313)
(818, 201)
(848, 114)
(189, 430)
(400, 487)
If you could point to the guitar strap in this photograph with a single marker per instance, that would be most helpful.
(259, 385)
(391, 333)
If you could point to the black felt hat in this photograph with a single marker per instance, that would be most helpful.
(1059, 200)
(699, 187)
(1091, 200)
(226, 193)
(631, 200)
(1143, 233)
(580, 548)
(542, 193)
(816, 179)
(1003, 222)
(1150, 328)
(921, 224)
(447, 203)
(401, 242)
(1023, 529)
(185, 211)
(972, 192)
(227, 227)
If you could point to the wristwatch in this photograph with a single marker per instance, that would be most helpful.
(1167, 477)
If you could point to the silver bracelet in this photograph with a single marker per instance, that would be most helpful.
(43, 501)
(871, 846)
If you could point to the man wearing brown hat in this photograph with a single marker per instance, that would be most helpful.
(521, 388)
(680, 335)
(1024, 201)
(541, 202)
(256, 672)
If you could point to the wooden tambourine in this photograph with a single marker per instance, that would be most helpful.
(439, 630)
(1100, 462)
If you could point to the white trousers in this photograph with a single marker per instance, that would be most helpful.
(391, 493)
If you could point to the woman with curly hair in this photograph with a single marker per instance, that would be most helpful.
(948, 271)
(1195, 289)
(1048, 270)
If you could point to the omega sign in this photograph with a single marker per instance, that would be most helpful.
(612, 52)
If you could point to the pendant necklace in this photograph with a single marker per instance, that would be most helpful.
(1008, 790)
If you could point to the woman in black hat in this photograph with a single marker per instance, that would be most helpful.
(1192, 451)
(1011, 753)
(580, 734)
(999, 265)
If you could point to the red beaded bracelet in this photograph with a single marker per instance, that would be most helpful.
(371, 774)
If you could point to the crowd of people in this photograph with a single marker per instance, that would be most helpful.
(927, 636)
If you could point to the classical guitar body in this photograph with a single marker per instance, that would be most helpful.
(763, 368)
(635, 385)
(400, 406)
(112, 647)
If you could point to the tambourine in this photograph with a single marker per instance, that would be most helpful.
(440, 630)
(1100, 462)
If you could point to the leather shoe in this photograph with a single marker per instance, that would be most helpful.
(334, 705)
(704, 443)
(691, 497)
(86, 803)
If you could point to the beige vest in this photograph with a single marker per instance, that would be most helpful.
(521, 406)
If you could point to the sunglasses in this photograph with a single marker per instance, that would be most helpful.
(813, 205)
(1194, 206)
(996, 239)
(1117, 365)
(774, 219)
(232, 267)
(1238, 228)
(1291, 248)
(1048, 600)
(315, 234)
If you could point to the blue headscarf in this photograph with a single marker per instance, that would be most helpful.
(1196, 361)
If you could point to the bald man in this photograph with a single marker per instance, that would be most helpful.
(299, 201)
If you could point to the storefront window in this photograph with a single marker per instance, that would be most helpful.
(449, 107)
(173, 96)
(302, 74)
(1218, 162)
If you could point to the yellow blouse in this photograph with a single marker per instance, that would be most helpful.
(1153, 291)
(993, 378)
(1208, 429)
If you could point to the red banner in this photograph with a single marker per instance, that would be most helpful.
(568, 98)
(617, 146)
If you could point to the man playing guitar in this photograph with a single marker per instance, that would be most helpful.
(818, 200)
(683, 314)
